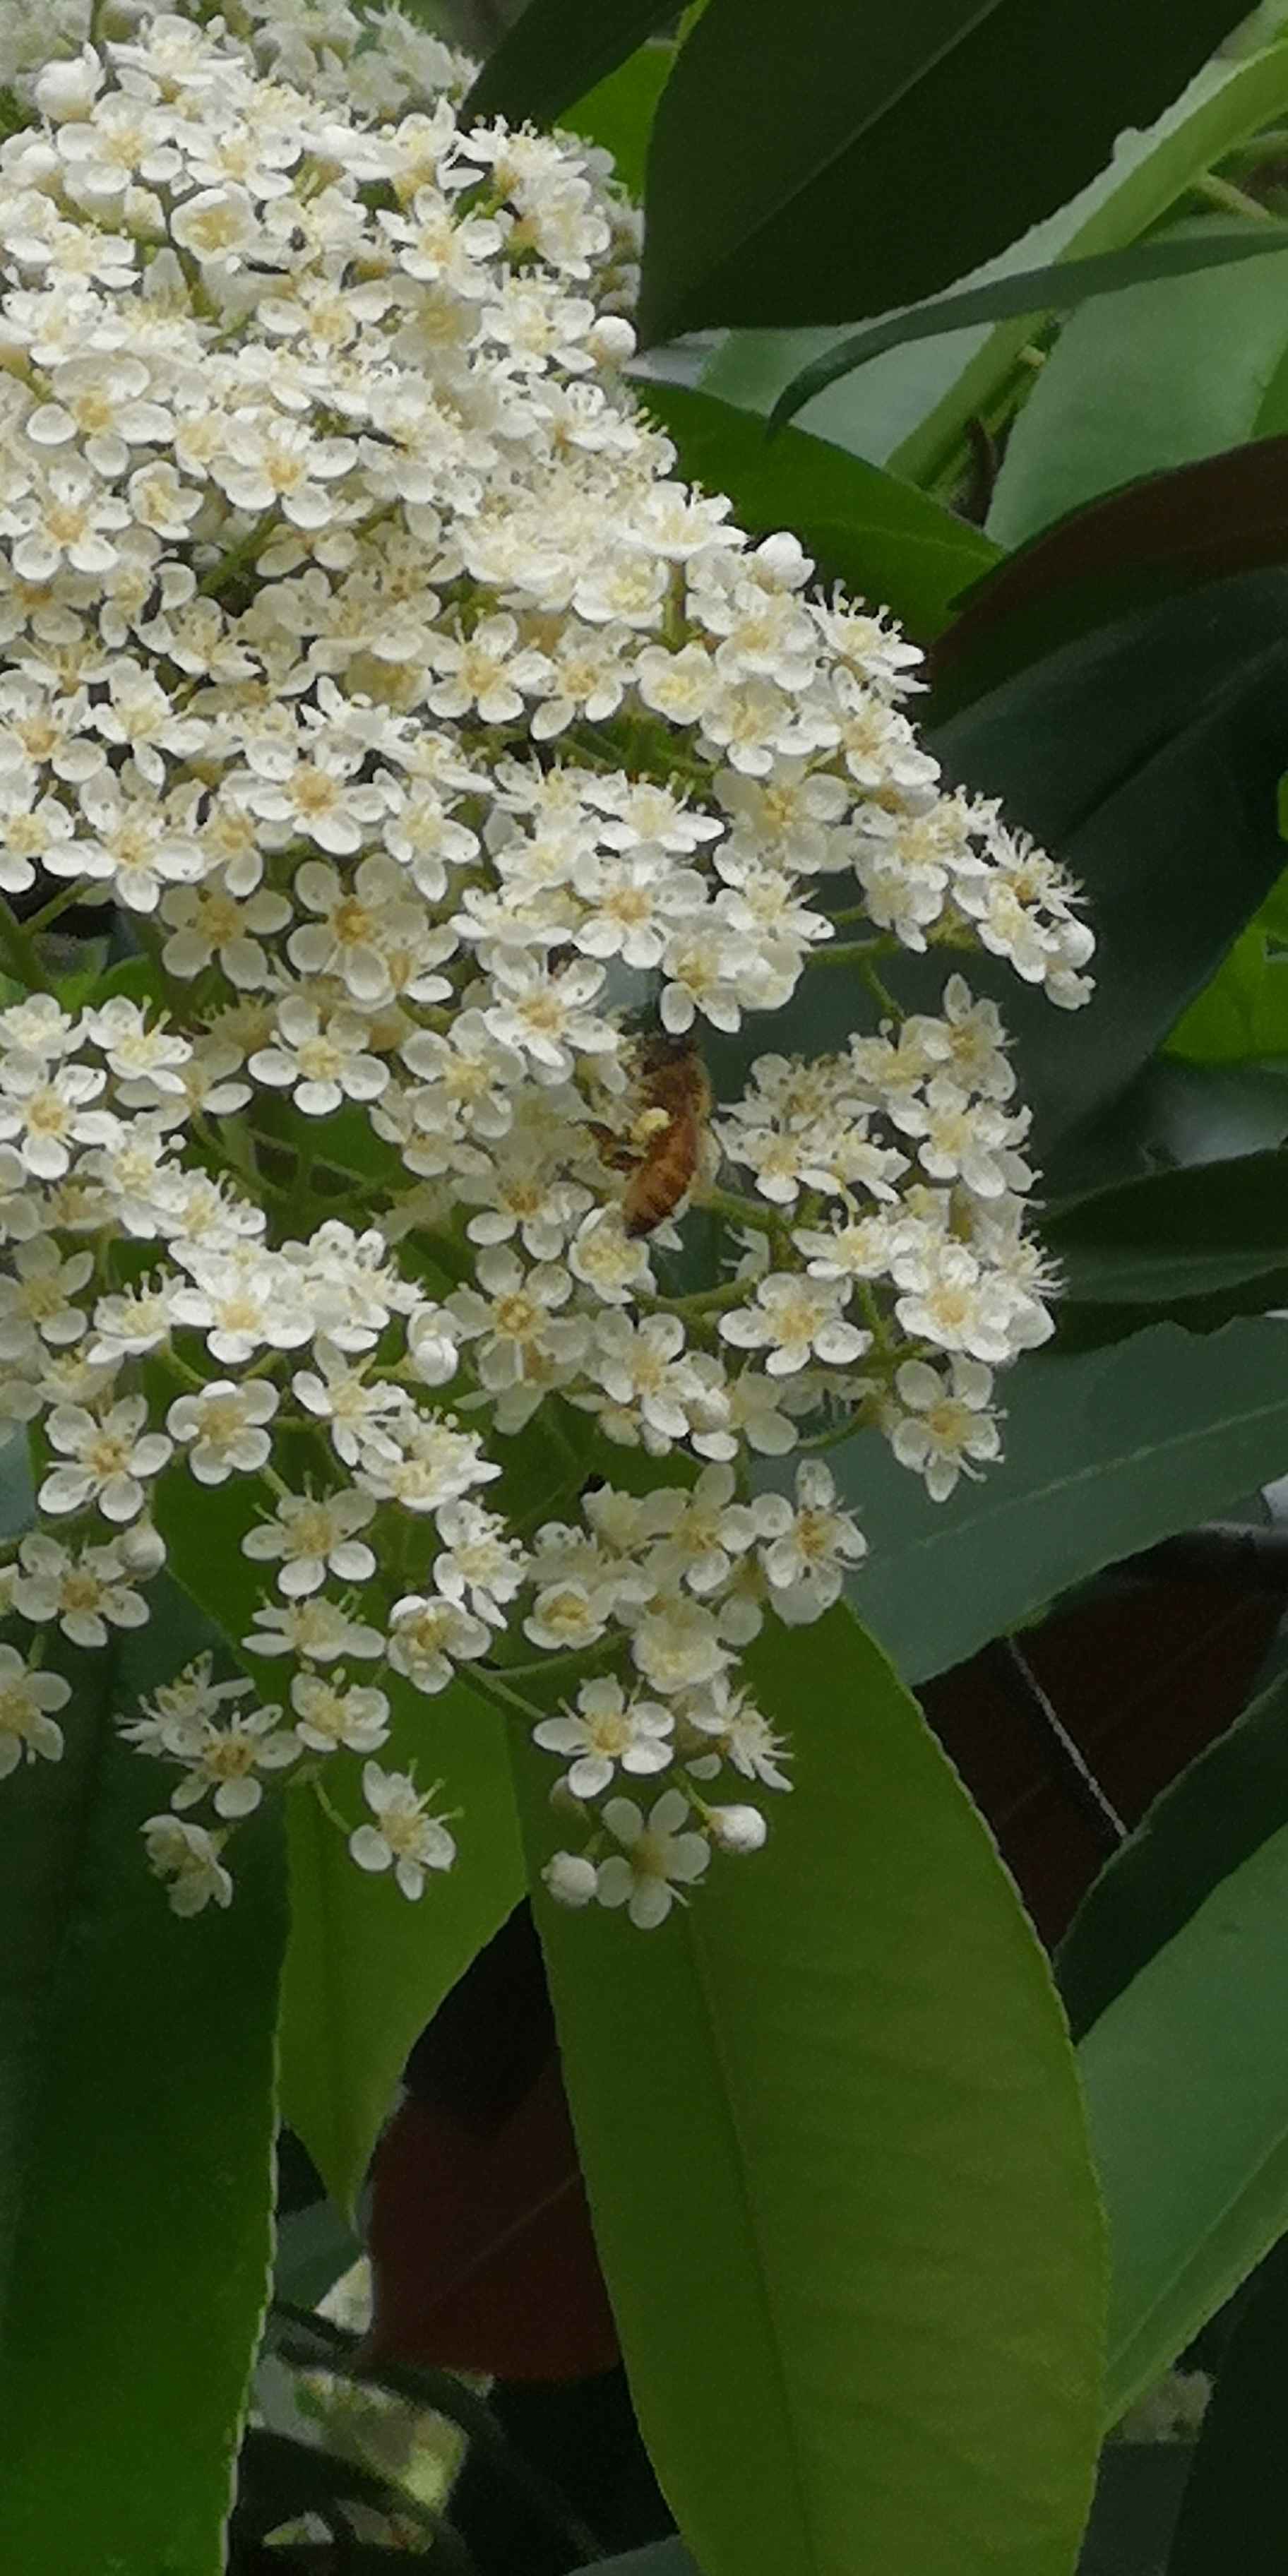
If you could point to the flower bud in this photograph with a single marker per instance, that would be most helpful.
(570, 1881)
(737, 1829)
(611, 340)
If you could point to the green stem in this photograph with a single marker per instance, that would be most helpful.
(233, 563)
(852, 952)
(61, 903)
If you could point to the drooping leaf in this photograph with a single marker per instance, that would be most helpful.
(1157, 539)
(1056, 288)
(136, 2129)
(1186, 2082)
(1165, 375)
(1237, 2489)
(836, 2167)
(555, 51)
(886, 540)
(1106, 1452)
(1203, 1827)
(908, 409)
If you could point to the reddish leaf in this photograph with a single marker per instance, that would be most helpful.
(1154, 539)
(481, 2252)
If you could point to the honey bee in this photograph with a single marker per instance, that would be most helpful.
(671, 1130)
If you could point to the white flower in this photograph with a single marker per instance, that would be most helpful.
(480, 1562)
(937, 1428)
(228, 1757)
(354, 1407)
(85, 1594)
(405, 1837)
(225, 1425)
(46, 1111)
(808, 1549)
(429, 1634)
(322, 1063)
(331, 1714)
(188, 1857)
(607, 1730)
(312, 1628)
(312, 1536)
(112, 1456)
(27, 1696)
(678, 1644)
(35, 1305)
(794, 1320)
(656, 1859)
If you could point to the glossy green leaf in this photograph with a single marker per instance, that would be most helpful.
(555, 51)
(1168, 373)
(618, 112)
(365, 1970)
(1105, 1453)
(869, 133)
(1237, 2491)
(1186, 2082)
(836, 2166)
(883, 538)
(136, 2129)
(1205, 1825)
(909, 409)
(1175, 1235)
(1055, 288)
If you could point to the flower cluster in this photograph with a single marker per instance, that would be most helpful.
(458, 781)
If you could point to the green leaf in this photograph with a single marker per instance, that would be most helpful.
(618, 112)
(556, 51)
(1030, 291)
(883, 538)
(1203, 1827)
(1175, 1235)
(836, 2166)
(910, 408)
(1239, 2479)
(136, 2129)
(1157, 539)
(1186, 2083)
(365, 1970)
(1173, 371)
(1105, 1453)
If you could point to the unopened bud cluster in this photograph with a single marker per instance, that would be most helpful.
(458, 781)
